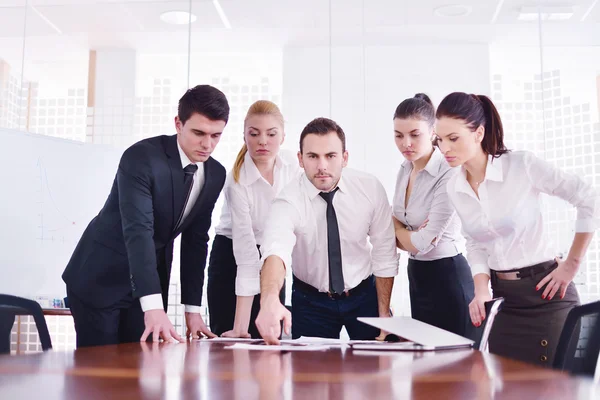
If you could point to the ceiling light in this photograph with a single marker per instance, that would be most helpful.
(46, 20)
(177, 17)
(453, 11)
(221, 13)
(546, 13)
(589, 10)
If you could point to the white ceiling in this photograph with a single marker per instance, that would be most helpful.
(273, 23)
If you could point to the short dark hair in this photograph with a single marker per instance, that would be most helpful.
(205, 100)
(419, 107)
(323, 126)
(476, 110)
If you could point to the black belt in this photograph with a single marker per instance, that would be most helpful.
(306, 288)
(526, 272)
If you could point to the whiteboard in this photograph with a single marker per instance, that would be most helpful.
(51, 189)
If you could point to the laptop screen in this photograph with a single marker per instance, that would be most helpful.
(417, 331)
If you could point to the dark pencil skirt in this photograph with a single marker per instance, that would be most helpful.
(222, 271)
(440, 293)
(528, 328)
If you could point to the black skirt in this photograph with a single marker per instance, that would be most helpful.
(440, 293)
(222, 271)
(528, 328)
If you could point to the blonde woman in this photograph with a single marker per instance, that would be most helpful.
(260, 171)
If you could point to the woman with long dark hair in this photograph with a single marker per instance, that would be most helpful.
(497, 197)
(427, 227)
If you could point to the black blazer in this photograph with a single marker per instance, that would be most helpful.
(127, 249)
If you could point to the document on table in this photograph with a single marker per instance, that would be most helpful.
(303, 343)
(231, 340)
(327, 341)
(282, 347)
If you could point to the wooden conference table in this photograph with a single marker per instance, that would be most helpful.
(205, 370)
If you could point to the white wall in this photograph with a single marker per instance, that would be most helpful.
(361, 92)
(364, 103)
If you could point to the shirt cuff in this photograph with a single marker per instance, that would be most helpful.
(247, 286)
(279, 252)
(193, 309)
(151, 302)
(420, 243)
(586, 225)
(386, 270)
(480, 269)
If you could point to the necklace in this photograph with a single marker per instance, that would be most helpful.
(475, 182)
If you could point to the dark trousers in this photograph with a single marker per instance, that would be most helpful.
(440, 293)
(318, 315)
(222, 271)
(122, 322)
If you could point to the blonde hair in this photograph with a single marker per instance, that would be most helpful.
(260, 107)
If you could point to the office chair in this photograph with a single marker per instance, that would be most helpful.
(13, 305)
(492, 308)
(579, 343)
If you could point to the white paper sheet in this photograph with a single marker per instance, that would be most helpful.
(284, 347)
(231, 340)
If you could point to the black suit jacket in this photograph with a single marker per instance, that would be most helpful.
(127, 249)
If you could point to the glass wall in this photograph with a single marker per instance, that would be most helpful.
(111, 72)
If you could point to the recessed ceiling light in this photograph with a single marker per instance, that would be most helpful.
(177, 17)
(453, 10)
(545, 13)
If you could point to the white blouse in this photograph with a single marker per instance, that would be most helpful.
(428, 200)
(246, 207)
(504, 227)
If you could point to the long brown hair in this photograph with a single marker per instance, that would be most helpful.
(476, 110)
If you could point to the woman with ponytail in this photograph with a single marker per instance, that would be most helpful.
(497, 197)
(260, 171)
(440, 281)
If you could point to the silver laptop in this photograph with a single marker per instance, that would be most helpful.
(420, 336)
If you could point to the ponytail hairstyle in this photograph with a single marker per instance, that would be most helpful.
(260, 107)
(476, 110)
(418, 107)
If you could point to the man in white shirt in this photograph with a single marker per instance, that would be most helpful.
(319, 224)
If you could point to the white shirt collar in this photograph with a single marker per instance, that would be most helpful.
(493, 172)
(185, 161)
(312, 190)
(433, 165)
(435, 162)
(249, 173)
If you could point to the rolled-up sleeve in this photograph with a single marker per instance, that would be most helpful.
(384, 256)
(548, 179)
(440, 215)
(247, 257)
(279, 237)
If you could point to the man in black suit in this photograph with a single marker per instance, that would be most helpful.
(118, 276)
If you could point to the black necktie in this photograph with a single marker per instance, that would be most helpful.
(334, 250)
(188, 182)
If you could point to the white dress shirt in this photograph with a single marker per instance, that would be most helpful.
(504, 227)
(154, 301)
(428, 200)
(243, 219)
(296, 230)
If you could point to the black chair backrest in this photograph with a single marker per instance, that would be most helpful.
(579, 343)
(492, 308)
(19, 306)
